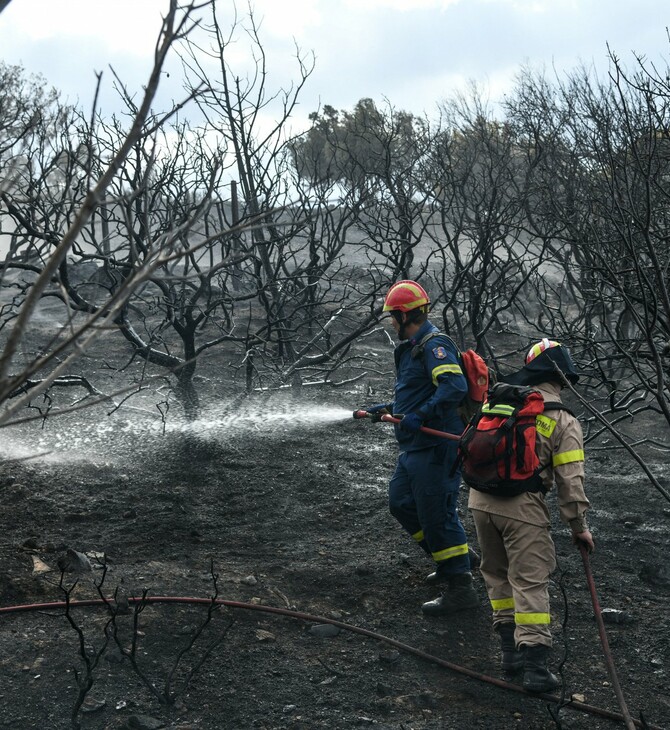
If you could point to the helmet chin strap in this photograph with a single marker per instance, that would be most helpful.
(397, 315)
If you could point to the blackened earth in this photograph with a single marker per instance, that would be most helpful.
(291, 515)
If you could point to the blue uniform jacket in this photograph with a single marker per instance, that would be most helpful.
(432, 384)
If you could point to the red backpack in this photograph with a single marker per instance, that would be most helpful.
(476, 372)
(497, 451)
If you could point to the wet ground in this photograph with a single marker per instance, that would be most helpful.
(256, 507)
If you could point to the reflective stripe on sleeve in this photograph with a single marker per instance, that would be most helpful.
(498, 604)
(532, 619)
(418, 536)
(567, 457)
(440, 369)
(451, 552)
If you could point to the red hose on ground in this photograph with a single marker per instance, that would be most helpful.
(611, 670)
(573, 704)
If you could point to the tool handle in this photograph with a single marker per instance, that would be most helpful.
(609, 662)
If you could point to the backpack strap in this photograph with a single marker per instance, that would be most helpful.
(555, 405)
(417, 350)
(509, 394)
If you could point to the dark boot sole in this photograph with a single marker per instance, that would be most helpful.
(451, 612)
(447, 611)
(540, 689)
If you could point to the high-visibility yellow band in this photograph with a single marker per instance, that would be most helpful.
(418, 536)
(451, 552)
(498, 604)
(545, 425)
(440, 369)
(498, 410)
(531, 619)
(567, 457)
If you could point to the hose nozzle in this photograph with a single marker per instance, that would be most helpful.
(361, 414)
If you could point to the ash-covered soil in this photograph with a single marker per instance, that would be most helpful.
(254, 506)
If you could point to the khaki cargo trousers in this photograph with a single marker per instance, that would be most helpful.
(517, 560)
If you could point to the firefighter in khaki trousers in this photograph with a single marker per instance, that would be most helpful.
(517, 552)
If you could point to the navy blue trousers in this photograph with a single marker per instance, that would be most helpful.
(423, 497)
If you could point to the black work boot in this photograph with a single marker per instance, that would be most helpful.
(536, 675)
(512, 658)
(459, 596)
(439, 576)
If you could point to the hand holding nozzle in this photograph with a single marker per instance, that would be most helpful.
(374, 413)
(383, 414)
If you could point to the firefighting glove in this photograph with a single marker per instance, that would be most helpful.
(412, 422)
(377, 411)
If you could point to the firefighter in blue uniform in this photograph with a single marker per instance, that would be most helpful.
(423, 491)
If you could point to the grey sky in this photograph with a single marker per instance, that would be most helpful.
(413, 52)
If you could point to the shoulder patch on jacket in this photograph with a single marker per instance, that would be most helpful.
(440, 352)
(545, 425)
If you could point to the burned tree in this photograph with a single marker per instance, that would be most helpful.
(63, 223)
(374, 159)
(294, 297)
(602, 158)
(482, 254)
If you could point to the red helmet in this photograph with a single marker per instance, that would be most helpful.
(404, 296)
(539, 347)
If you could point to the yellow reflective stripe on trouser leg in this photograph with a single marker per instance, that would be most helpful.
(532, 619)
(499, 604)
(451, 552)
(418, 536)
(567, 457)
(441, 369)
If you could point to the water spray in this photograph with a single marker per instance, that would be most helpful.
(82, 438)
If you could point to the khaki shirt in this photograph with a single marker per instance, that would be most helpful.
(560, 445)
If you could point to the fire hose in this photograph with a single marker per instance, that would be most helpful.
(145, 600)
(388, 418)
